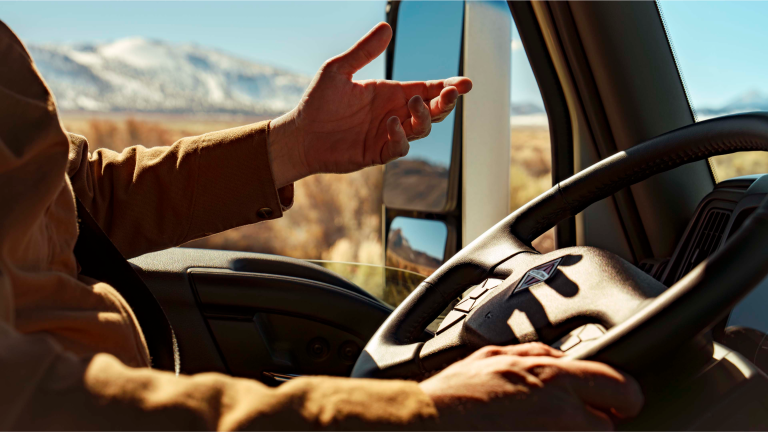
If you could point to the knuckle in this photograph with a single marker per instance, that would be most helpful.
(547, 373)
(493, 350)
(488, 351)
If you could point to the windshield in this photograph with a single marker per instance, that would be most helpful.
(388, 284)
(720, 49)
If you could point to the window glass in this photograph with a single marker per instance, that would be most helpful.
(720, 50)
(128, 73)
(419, 181)
(531, 155)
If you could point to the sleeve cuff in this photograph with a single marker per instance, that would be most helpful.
(235, 185)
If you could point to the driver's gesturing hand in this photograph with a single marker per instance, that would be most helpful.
(529, 387)
(342, 125)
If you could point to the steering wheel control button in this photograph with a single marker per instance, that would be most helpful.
(537, 274)
(265, 213)
(465, 305)
(492, 283)
(591, 332)
(452, 318)
(569, 341)
(477, 292)
(585, 333)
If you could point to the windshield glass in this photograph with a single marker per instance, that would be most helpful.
(149, 73)
(720, 49)
(388, 284)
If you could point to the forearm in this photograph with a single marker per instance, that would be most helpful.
(151, 199)
(53, 390)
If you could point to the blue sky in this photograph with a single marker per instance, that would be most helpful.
(295, 35)
(721, 45)
(722, 48)
(427, 236)
(298, 36)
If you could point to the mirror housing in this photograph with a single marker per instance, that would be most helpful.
(471, 193)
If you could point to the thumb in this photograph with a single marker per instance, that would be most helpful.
(364, 51)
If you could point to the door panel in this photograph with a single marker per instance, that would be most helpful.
(246, 313)
(286, 345)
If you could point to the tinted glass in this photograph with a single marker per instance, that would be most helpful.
(427, 46)
(720, 48)
(416, 245)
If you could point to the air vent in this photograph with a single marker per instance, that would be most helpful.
(707, 240)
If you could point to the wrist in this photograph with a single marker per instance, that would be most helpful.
(285, 150)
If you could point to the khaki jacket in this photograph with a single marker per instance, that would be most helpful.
(72, 355)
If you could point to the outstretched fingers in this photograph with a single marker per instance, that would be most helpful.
(364, 51)
(442, 105)
(397, 143)
(419, 125)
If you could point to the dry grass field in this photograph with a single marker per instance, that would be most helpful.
(334, 217)
(338, 217)
(530, 172)
(739, 164)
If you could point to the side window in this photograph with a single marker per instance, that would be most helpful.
(151, 73)
(720, 51)
(530, 153)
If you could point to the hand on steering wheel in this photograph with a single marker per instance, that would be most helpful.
(581, 286)
(528, 387)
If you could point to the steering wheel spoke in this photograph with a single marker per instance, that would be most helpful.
(544, 297)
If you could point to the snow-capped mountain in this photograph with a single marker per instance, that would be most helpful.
(141, 75)
(753, 100)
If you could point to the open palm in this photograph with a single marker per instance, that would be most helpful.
(342, 125)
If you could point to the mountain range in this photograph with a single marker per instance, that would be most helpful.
(753, 100)
(143, 75)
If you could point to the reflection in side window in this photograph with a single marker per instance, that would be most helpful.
(531, 155)
(427, 47)
(720, 51)
(416, 245)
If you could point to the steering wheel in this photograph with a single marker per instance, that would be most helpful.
(607, 309)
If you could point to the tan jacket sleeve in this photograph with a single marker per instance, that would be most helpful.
(45, 388)
(147, 199)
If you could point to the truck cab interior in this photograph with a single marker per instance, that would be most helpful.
(627, 249)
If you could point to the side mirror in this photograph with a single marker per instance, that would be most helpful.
(454, 184)
(427, 45)
(416, 245)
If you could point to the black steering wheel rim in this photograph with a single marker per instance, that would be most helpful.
(692, 304)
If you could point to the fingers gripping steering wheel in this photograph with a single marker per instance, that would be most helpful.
(581, 285)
